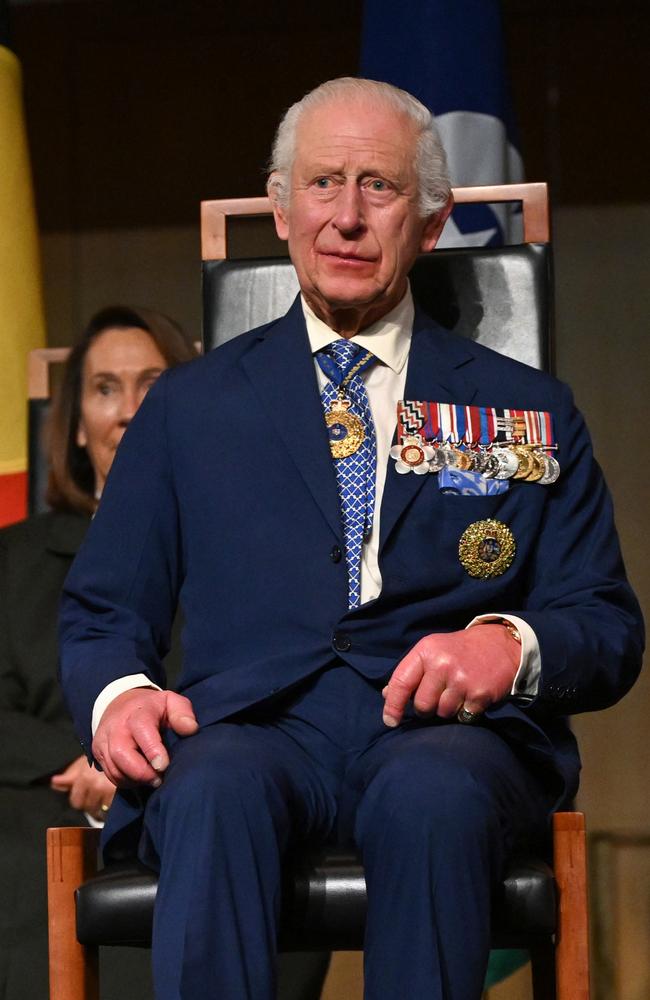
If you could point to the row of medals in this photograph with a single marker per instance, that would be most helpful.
(513, 461)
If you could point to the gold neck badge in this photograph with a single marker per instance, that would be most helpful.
(346, 430)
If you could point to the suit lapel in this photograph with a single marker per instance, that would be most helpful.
(440, 369)
(281, 369)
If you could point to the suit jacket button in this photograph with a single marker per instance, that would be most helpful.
(342, 642)
(336, 554)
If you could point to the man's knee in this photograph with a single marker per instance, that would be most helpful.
(428, 784)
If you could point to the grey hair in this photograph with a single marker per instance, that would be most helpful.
(430, 158)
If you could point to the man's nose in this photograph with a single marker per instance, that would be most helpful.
(349, 215)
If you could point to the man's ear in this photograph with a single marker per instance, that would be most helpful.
(434, 226)
(273, 189)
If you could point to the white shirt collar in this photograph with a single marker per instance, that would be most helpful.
(389, 338)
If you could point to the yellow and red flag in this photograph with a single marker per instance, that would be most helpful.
(22, 325)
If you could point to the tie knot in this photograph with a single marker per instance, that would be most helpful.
(344, 352)
(340, 357)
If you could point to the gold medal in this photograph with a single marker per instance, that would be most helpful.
(458, 459)
(538, 469)
(346, 429)
(525, 462)
(486, 549)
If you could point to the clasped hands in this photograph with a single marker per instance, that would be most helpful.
(443, 673)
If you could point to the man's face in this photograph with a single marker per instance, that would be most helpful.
(352, 222)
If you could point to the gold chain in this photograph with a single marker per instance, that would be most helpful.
(353, 371)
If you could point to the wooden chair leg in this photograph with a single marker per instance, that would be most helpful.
(572, 936)
(71, 859)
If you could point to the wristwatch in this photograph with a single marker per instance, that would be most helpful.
(509, 626)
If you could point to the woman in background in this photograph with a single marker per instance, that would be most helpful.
(44, 780)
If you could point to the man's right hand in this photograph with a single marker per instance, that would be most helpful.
(127, 743)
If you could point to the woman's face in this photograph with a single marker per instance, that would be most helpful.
(119, 368)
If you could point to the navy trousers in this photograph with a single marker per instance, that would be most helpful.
(434, 807)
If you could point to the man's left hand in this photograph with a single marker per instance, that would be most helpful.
(447, 671)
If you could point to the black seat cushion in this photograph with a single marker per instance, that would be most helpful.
(324, 904)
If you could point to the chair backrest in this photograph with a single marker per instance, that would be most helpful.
(40, 366)
(499, 296)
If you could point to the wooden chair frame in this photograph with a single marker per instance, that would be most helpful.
(72, 854)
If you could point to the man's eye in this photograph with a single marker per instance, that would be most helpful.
(323, 182)
(105, 388)
(378, 185)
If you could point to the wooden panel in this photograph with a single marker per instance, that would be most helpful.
(620, 870)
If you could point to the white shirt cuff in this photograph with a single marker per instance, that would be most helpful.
(96, 824)
(111, 691)
(526, 682)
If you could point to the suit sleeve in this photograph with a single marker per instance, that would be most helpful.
(120, 596)
(586, 618)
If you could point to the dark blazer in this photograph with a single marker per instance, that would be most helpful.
(223, 496)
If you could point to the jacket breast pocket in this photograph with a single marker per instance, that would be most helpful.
(459, 508)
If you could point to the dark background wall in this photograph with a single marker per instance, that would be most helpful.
(137, 109)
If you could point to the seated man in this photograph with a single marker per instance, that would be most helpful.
(328, 573)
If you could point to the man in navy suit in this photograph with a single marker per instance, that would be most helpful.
(376, 649)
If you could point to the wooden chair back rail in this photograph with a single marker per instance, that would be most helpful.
(72, 859)
(533, 198)
(39, 366)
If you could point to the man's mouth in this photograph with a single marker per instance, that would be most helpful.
(347, 257)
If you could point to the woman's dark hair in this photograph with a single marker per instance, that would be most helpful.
(71, 483)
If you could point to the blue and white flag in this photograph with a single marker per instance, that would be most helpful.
(450, 55)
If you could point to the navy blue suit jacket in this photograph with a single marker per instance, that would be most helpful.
(223, 496)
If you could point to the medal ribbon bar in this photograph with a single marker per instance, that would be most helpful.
(474, 425)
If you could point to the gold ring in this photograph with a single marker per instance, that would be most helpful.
(466, 717)
(104, 808)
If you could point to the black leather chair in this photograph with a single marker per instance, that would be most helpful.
(502, 297)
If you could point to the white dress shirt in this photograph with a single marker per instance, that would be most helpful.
(389, 339)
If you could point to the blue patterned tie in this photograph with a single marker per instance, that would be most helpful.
(356, 473)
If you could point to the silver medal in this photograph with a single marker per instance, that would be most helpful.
(508, 463)
(552, 470)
